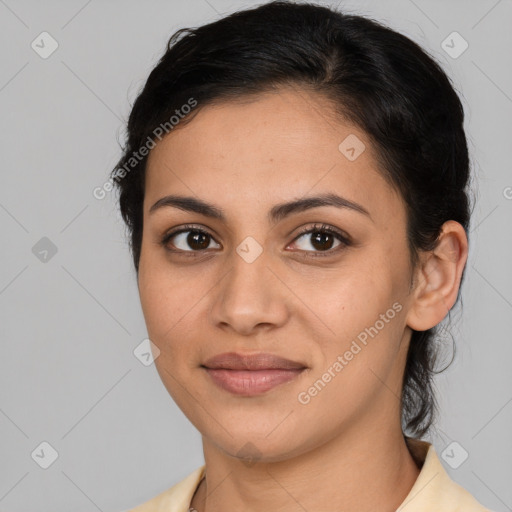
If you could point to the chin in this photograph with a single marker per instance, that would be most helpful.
(251, 451)
(259, 442)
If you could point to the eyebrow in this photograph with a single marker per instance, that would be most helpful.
(277, 213)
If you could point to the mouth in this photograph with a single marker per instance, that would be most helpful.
(250, 375)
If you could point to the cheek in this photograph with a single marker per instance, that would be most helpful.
(361, 307)
(167, 313)
(161, 297)
(351, 297)
(358, 363)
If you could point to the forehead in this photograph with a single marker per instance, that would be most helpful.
(268, 148)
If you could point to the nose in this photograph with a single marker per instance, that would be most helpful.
(251, 296)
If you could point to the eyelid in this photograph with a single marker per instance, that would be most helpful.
(343, 237)
(183, 229)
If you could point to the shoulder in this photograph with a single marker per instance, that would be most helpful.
(175, 499)
(434, 489)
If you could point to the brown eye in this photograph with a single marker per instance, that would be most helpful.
(322, 239)
(188, 239)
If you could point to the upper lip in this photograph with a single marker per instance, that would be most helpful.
(261, 361)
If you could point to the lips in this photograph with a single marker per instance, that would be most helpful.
(250, 375)
(262, 361)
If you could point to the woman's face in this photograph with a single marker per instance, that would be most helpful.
(253, 283)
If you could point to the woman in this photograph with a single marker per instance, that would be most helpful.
(294, 183)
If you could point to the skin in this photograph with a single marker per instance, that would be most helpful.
(344, 450)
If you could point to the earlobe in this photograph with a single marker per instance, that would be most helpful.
(438, 278)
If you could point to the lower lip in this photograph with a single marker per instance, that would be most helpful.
(251, 382)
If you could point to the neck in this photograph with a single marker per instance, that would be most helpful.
(354, 472)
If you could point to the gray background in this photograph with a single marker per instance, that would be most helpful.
(70, 324)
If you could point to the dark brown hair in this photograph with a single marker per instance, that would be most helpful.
(376, 78)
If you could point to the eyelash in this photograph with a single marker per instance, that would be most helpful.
(316, 228)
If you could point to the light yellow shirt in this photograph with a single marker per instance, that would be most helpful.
(433, 490)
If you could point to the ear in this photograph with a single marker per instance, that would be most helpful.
(437, 278)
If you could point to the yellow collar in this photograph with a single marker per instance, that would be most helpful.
(433, 489)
